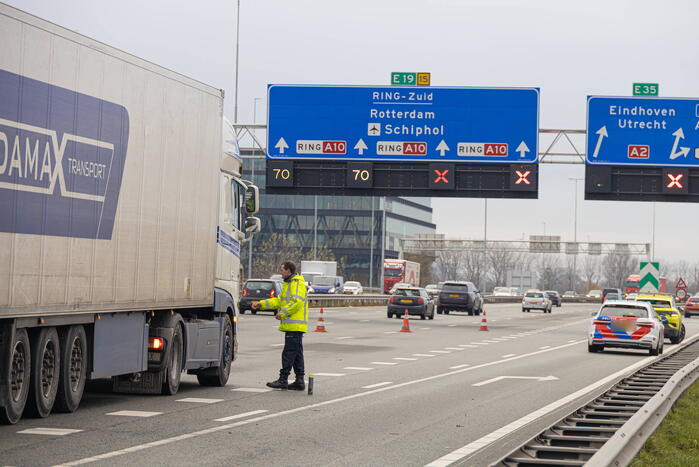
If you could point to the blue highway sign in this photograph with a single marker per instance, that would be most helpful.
(643, 131)
(362, 123)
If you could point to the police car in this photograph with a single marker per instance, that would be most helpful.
(626, 324)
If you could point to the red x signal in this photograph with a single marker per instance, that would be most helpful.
(523, 177)
(675, 181)
(441, 176)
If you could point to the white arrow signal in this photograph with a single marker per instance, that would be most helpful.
(360, 146)
(602, 132)
(442, 147)
(281, 145)
(679, 134)
(522, 149)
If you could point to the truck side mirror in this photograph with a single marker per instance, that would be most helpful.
(252, 199)
(252, 225)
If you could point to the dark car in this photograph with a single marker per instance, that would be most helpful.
(414, 299)
(258, 289)
(460, 296)
(554, 296)
(618, 292)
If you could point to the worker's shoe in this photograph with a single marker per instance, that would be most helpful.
(297, 385)
(281, 383)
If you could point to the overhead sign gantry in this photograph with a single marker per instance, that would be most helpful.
(439, 141)
(642, 149)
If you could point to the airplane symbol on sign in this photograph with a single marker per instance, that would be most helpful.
(675, 181)
(374, 129)
(523, 177)
(441, 176)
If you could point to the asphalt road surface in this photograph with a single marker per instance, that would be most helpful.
(446, 392)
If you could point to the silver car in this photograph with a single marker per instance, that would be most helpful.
(536, 300)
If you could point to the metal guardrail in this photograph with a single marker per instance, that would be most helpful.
(625, 444)
(611, 428)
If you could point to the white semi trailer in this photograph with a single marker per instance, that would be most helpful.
(121, 221)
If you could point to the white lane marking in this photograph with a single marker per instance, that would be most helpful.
(423, 355)
(498, 339)
(545, 347)
(240, 415)
(479, 343)
(390, 332)
(451, 325)
(48, 431)
(384, 363)
(440, 351)
(500, 378)
(360, 368)
(572, 340)
(407, 359)
(491, 341)
(458, 366)
(453, 348)
(425, 328)
(344, 337)
(276, 345)
(364, 320)
(468, 346)
(372, 386)
(134, 413)
(194, 434)
(252, 389)
(509, 355)
(328, 374)
(199, 400)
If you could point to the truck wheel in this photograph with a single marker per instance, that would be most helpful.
(173, 372)
(46, 366)
(218, 376)
(71, 382)
(17, 379)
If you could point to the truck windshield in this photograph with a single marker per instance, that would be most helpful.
(393, 272)
(324, 281)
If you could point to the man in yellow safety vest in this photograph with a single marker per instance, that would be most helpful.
(293, 317)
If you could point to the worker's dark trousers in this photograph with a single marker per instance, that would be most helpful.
(292, 355)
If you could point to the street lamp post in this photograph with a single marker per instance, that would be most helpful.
(575, 235)
(252, 170)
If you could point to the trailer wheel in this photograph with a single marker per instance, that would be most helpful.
(17, 379)
(46, 365)
(218, 376)
(74, 357)
(173, 372)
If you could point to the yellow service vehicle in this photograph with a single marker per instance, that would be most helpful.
(669, 313)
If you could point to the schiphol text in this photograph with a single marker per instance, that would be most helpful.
(646, 114)
(413, 130)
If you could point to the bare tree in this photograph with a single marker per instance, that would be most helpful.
(474, 262)
(616, 267)
(448, 265)
(590, 271)
(501, 261)
(571, 274)
(272, 252)
(550, 274)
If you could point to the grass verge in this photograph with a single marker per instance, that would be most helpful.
(676, 442)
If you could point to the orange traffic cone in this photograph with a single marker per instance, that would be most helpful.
(484, 323)
(320, 327)
(406, 323)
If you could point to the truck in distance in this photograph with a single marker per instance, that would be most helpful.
(400, 270)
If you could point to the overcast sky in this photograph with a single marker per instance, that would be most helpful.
(568, 49)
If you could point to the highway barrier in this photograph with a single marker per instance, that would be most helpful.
(326, 300)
